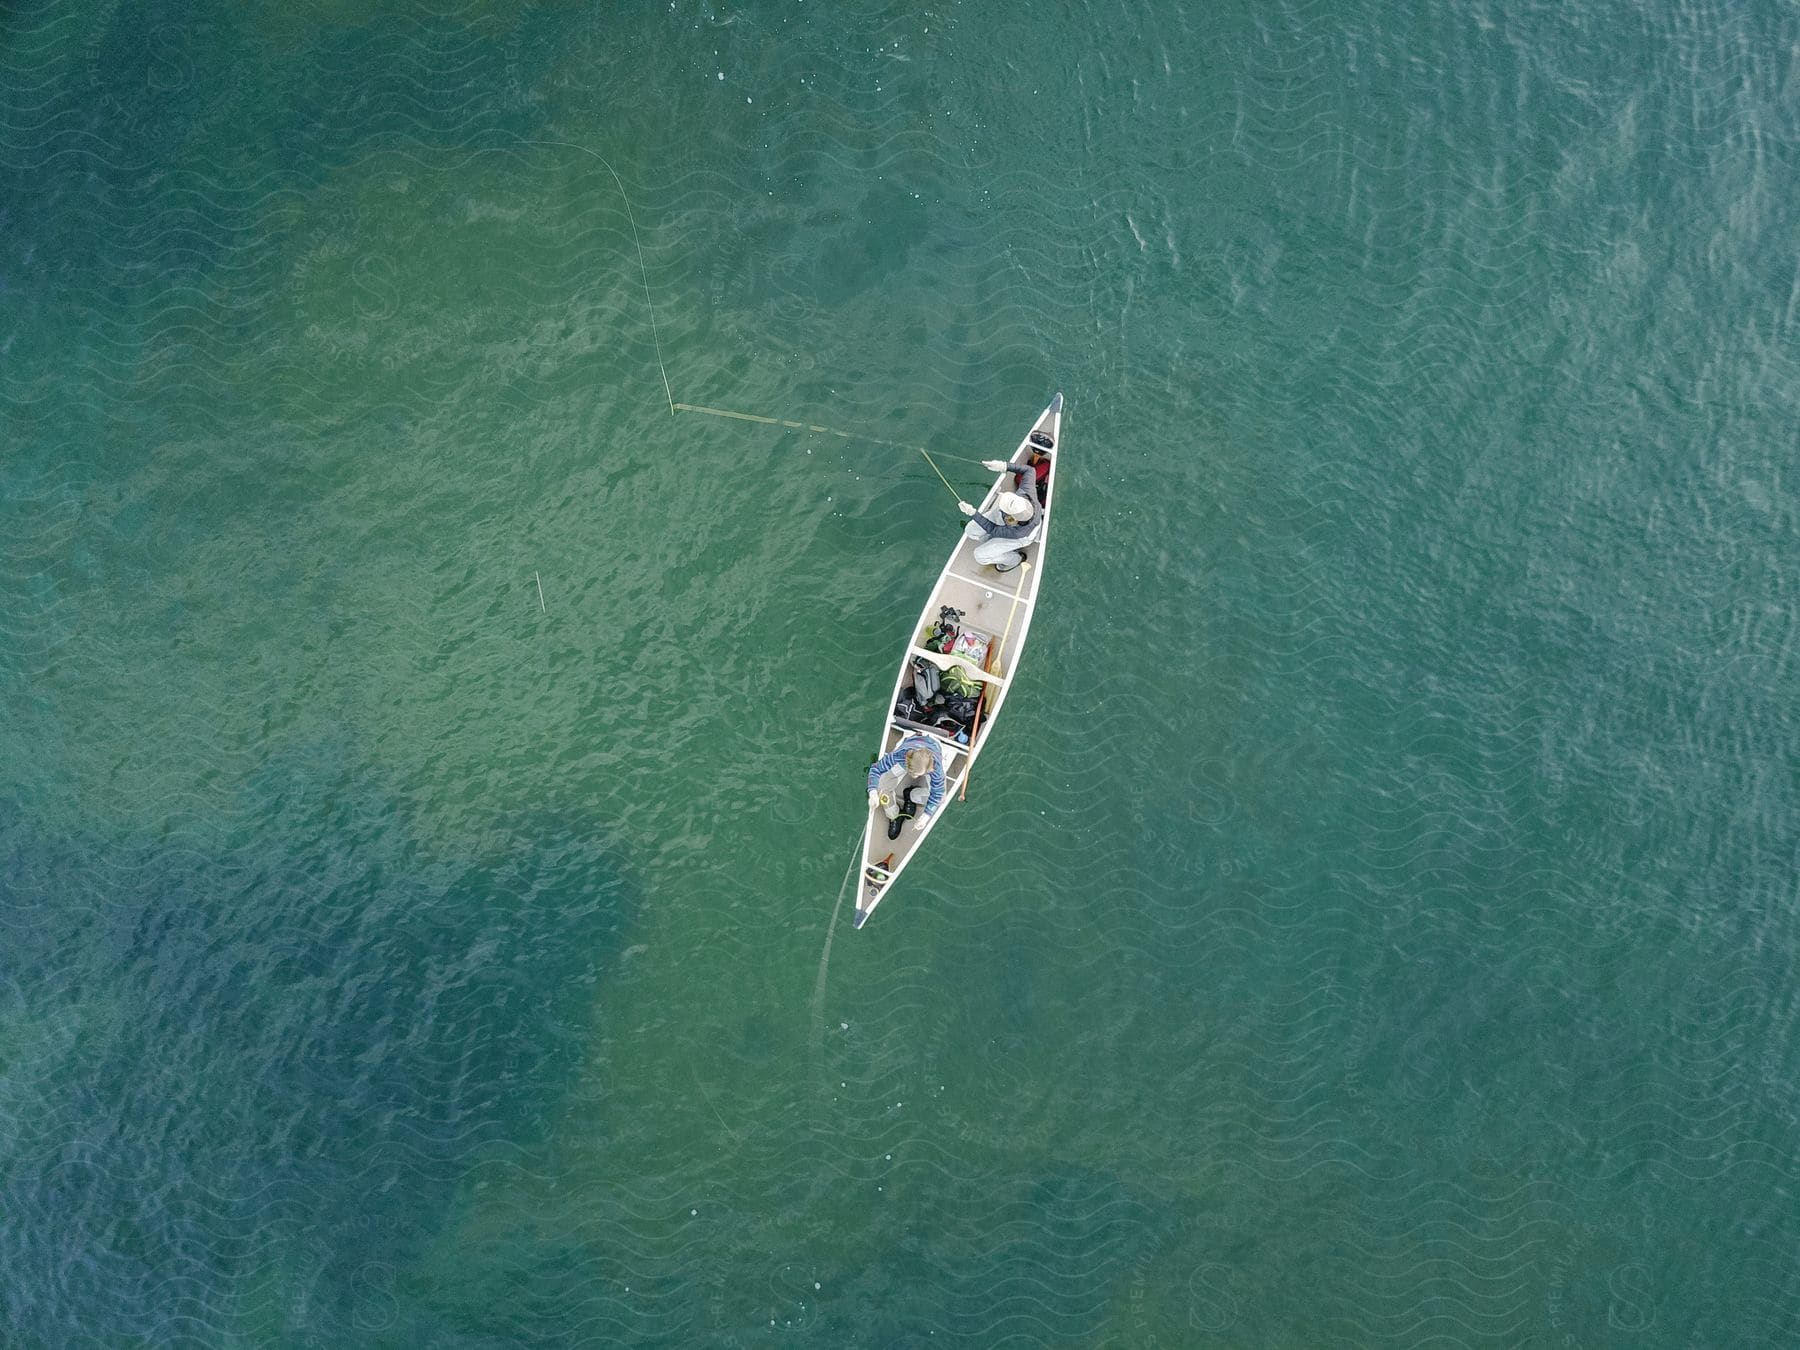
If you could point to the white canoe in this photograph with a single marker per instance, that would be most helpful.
(996, 606)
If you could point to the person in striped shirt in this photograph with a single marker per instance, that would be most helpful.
(907, 780)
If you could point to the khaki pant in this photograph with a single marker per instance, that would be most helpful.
(896, 785)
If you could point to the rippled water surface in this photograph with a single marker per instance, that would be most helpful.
(1374, 921)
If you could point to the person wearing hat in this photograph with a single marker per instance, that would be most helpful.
(1001, 538)
(906, 780)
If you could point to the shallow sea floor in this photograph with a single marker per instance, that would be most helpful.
(1374, 920)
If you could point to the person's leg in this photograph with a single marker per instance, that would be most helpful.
(890, 785)
(1001, 554)
(913, 794)
(900, 807)
(917, 794)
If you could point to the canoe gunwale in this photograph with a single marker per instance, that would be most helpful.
(1019, 602)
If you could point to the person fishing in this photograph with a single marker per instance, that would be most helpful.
(907, 780)
(1001, 538)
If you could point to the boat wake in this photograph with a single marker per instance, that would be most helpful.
(818, 998)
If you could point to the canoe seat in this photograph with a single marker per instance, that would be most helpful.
(944, 734)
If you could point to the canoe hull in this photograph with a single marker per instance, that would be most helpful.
(996, 607)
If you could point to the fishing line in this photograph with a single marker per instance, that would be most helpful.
(709, 1101)
(792, 425)
(663, 370)
(643, 271)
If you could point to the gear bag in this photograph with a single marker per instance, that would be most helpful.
(926, 681)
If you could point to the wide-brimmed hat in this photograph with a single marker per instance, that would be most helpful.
(1014, 505)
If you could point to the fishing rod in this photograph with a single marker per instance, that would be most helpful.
(662, 369)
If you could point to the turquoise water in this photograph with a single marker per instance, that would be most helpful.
(1374, 921)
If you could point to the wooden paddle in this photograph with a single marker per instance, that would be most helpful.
(962, 794)
(993, 655)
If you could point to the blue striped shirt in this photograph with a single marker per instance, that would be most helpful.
(896, 758)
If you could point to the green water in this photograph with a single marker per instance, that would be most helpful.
(1374, 920)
